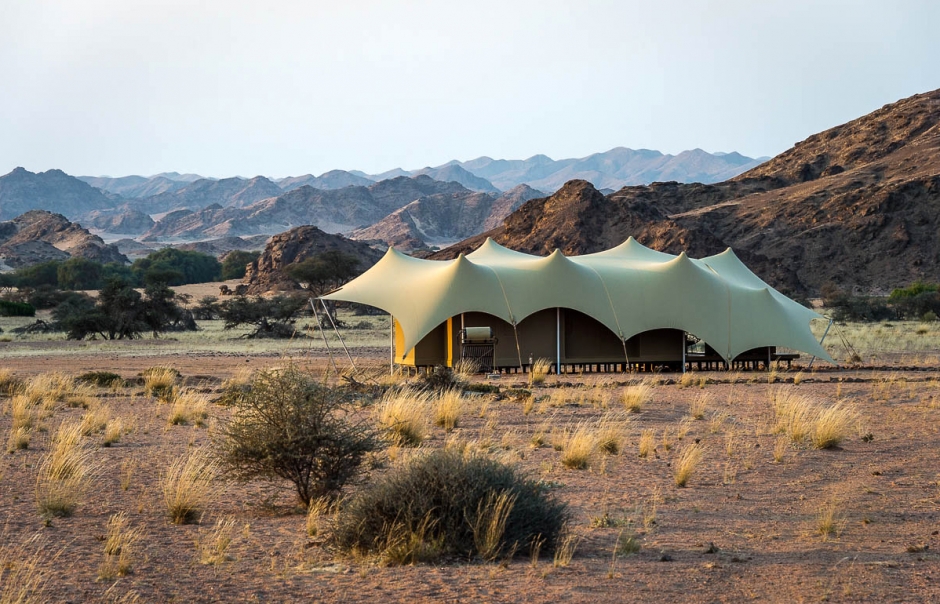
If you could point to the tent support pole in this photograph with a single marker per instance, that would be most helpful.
(338, 335)
(558, 340)
(462, 330)
(821, 340)
(391, 344)
(683, 352)
(329, 350)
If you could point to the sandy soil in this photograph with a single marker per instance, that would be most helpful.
(760, 516)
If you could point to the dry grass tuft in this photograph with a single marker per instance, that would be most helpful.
(188, 407)
(647, 444)
(119, 545)
(465, 369)
(539, 371)
(780, 449)
(160, 381)
(830, 521)
(65, 473)
(686, 464)
(448, 408)
(189, 486)
(213, 546)
(49, 388)
(609, 434)
(9, 383)
(113, 431)
(489, 526)
(687, 379)
(22, 580)
(577, 448)
(402, 415)
(315, 511)
(566, 549)
(634, 397)
(699, 406)
(95, 419)
(832, 425)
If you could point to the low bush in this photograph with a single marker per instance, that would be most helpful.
(450, 503)
(286, 426)
(16, 309)
(104, 379)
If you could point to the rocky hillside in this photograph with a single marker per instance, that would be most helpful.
(22, 191)
(442, 219)
(857, 206)
(134, 186)
(39, 236)
(237, 192)
(334, 179)
(267, 272)
(454, 173)
(334, 211)
(128, 222)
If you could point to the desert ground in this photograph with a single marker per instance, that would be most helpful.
(764, 515)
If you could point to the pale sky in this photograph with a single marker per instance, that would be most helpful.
(283, 88)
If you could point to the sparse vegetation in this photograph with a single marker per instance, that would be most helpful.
(686, 464)
(420, 511)
(634, 397)
(577, 448)
(65, 473)
(402, 415)
(539, 371)
(289, 427)
(189, 485)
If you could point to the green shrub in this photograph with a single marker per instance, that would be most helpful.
(287, 426)
(448, 502)
(16, 309)
(99, 378)
(236, 262)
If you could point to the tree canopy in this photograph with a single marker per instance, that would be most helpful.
(324, 272)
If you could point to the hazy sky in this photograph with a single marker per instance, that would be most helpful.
(284, 88)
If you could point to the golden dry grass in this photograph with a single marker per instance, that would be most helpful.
(402, 414)
(448, 407)
(160, 381)
(647, 443)
(489, 526)
(577, 447)
(686, 464)
(65, 473)
(119, 547)
(539, 371)
(634, 397)
(189, 485)
(188, 407)
(832, 425)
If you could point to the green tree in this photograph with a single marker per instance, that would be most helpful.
(79, 273)
(177, 267)
(44, 273)
(235, 264)
(272, 317)
(324, 272)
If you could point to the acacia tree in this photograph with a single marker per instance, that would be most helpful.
(287, 426)
(324, 272)
(272, 317)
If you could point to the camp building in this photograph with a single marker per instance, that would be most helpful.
(626, 308)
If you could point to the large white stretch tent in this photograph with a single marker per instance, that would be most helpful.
(630, 289)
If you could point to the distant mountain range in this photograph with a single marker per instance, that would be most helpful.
(411, 209)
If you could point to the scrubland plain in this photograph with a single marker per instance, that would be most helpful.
(814, 484)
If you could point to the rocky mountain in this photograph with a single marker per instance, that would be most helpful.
(612, 169)
(128, 222)
(134, 186)
(442, 219)
(237, 192)
(857, 206)
(267, 272)
(454, 173)
(335, 211)
(22, 191)
(222, 246)
(38, 236)
(334, 179)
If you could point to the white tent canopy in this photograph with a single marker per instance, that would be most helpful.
(630, 289)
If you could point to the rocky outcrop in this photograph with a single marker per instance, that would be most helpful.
(236, 192)
(22, 191)
(438, 220)
(857, 206)
(267, 272)
(128, 222)
(39, 236)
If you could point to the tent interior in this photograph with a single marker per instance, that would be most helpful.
(573, 342)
